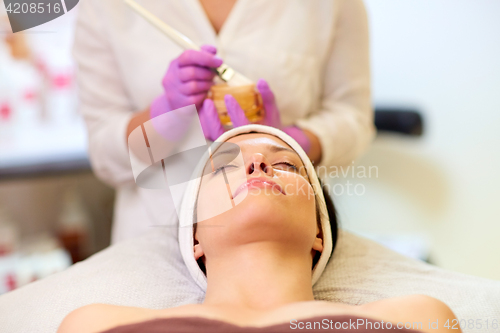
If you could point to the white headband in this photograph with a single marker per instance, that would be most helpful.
(186, 218)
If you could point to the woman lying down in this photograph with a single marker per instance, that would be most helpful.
(264, 233)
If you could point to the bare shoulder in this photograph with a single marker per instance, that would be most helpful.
(100, 317)
(422, 309)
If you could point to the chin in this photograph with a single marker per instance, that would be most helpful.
(263, 218)
(260, 198)
(261, 208)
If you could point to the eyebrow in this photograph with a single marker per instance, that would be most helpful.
(273, 148)
(235, 150)
(277, 149)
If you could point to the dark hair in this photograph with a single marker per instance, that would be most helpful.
(332, 215)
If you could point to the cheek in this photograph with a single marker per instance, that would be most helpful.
(297, 187)
(301, 197)
(216, 196)
(213, 198)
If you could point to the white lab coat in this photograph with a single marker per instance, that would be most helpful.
(313, 53)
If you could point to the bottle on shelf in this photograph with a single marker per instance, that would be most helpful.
(73, 228)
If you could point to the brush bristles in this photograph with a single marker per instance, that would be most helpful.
(238, 80)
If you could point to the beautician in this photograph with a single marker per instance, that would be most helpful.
(310, 61)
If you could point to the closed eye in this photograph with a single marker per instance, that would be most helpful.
(286, 166)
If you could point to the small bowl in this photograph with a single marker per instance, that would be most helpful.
(247, 97)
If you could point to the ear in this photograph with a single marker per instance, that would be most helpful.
(198, 251)
(318, 242)
(318, 245)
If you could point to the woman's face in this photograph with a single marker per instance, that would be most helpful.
(262, 195)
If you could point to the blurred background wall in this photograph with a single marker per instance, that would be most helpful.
(442, 57)
(53, 211)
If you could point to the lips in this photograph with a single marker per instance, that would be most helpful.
(258, 182)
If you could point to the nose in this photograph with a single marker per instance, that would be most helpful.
(259, 164)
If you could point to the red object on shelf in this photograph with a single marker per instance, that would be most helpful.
(10, 282)
(62, 80)
(5, 111)
(4, 250)
(30, 95)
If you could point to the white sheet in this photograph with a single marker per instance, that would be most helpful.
(149, 272)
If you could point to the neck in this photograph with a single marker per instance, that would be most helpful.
(258, 276)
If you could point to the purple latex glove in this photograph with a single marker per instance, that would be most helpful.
(209, 117)
(189, 77)
(210, 121)
(187, 81)
(271, 118)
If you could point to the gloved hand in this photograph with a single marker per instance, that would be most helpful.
(271, 118)
(210, 121)
(187, 81)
